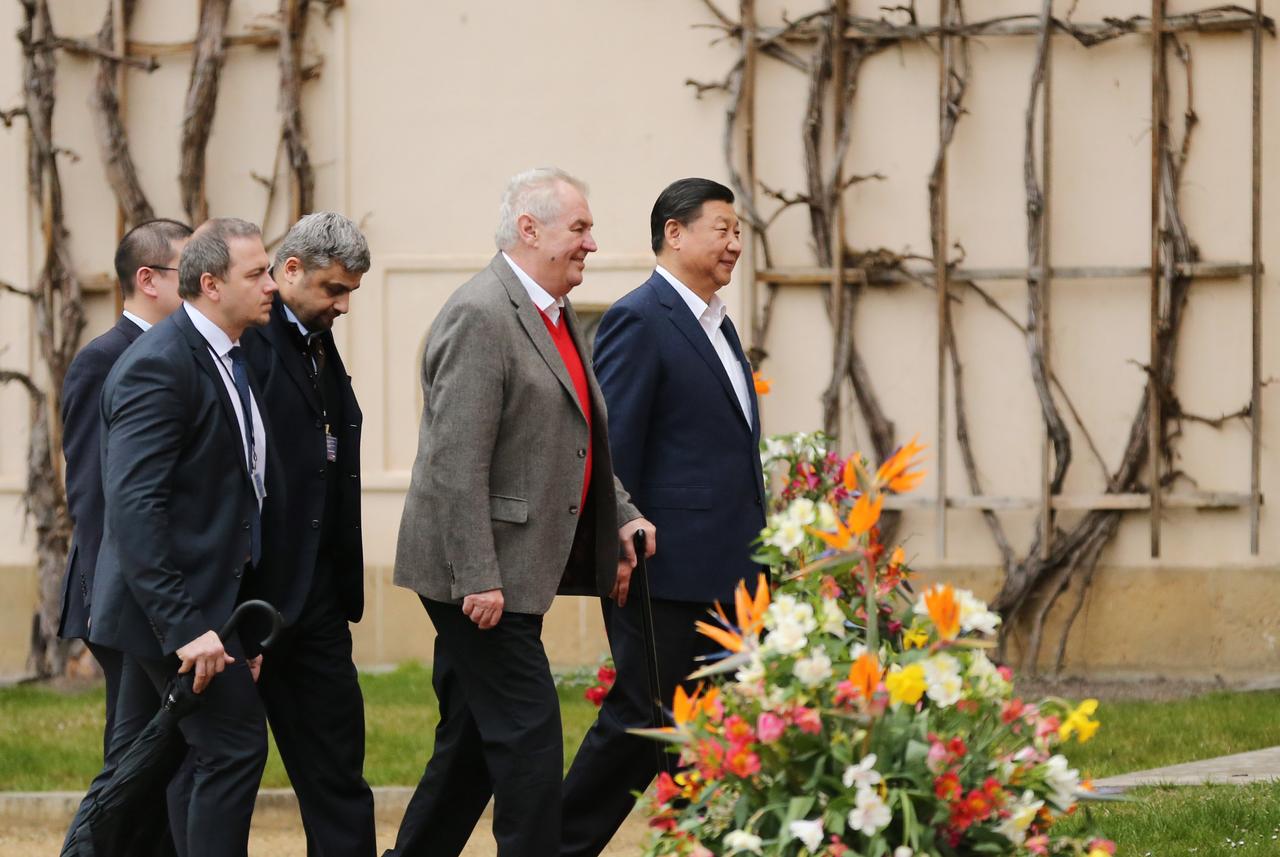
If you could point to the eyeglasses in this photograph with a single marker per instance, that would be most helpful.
(158, 267)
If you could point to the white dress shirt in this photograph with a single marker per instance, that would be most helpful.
(541, 298)
(220, 344)
(711, 316)
(138, 320)
(307, 335)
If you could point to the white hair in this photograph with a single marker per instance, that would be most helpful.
(532, 192)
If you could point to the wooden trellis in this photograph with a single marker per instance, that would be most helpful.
(1219, 19)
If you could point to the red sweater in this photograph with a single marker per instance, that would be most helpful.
(573, 362)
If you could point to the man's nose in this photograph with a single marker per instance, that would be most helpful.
(342, 304)
(590, 244)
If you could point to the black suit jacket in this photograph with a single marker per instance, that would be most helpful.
(178, 495)
(293, 530)
(81, 391)
(681, 442)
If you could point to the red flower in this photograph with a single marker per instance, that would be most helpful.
(596, 694)
(666, 788)
(606, 675)
(743, 763)
(947, 786)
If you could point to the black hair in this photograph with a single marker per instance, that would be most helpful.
(682, 201)
(146, 245)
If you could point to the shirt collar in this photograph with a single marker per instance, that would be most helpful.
(214, 335)
(138, 320)
(302, 328)
(541, 297)
(712, 311)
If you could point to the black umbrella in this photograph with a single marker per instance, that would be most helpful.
(149, 763)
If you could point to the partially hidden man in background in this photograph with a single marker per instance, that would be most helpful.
(684, 430)
(512, 493)
(146, 264)
(184, 455)
(313, 569)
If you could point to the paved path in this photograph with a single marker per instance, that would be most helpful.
(34, 822)
(1240, 768)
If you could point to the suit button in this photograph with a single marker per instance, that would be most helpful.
(582, 453)
(573, 510)
(320, 472)
(319, 424)
(244, 525)
(315, 525)
(757, 501)
(236, 574)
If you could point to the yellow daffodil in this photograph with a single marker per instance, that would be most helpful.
(915, 638)
(1078, 722)
(906, 685)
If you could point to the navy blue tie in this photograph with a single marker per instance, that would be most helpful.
(241, 377)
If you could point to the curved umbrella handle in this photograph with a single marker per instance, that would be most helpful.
(277, 621)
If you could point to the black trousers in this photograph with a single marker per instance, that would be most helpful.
(227, 737)
(499, 735)
(611, 764)
(150, 834)
(316, 711)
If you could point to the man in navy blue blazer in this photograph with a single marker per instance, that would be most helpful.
(684, 430)
(146, 264)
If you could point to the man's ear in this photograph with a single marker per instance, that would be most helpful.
(527, 229)
(210, 287)
(143, 282)
(673, 231)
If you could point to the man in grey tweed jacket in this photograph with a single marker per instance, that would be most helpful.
(512, 500)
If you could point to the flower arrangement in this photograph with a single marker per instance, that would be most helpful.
(850, 715)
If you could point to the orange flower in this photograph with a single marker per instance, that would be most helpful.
(944, 610)
(750, 614)
(865, 674)
(763, 385)
(850, 474)
(685, 707)
(862, 517)
(865, 513)
(896, 474)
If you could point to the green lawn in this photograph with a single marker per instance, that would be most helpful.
(50, 740)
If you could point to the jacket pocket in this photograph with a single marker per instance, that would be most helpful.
(662, 496)
(513, 510)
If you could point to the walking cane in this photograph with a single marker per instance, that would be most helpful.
(640, 585)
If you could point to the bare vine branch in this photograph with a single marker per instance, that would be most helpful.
(104, 102)
(202, 98)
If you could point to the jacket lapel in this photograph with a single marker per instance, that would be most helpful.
(731, 334)
(682, 317)
(282, 340)
(534, 326)
(204, 359)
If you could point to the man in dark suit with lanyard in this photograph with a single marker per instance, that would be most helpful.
(184, 473)
(316, 577)
(146, 266)
(684, 429)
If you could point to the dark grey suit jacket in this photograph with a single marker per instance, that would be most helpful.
(493, 501)
(81, 392)
(178, 496)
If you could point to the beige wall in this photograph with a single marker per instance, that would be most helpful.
(423, 110)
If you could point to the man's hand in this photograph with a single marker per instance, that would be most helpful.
(622, 583)
(207, 655)
(483, 608)
(255, 667)
(627, 530)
